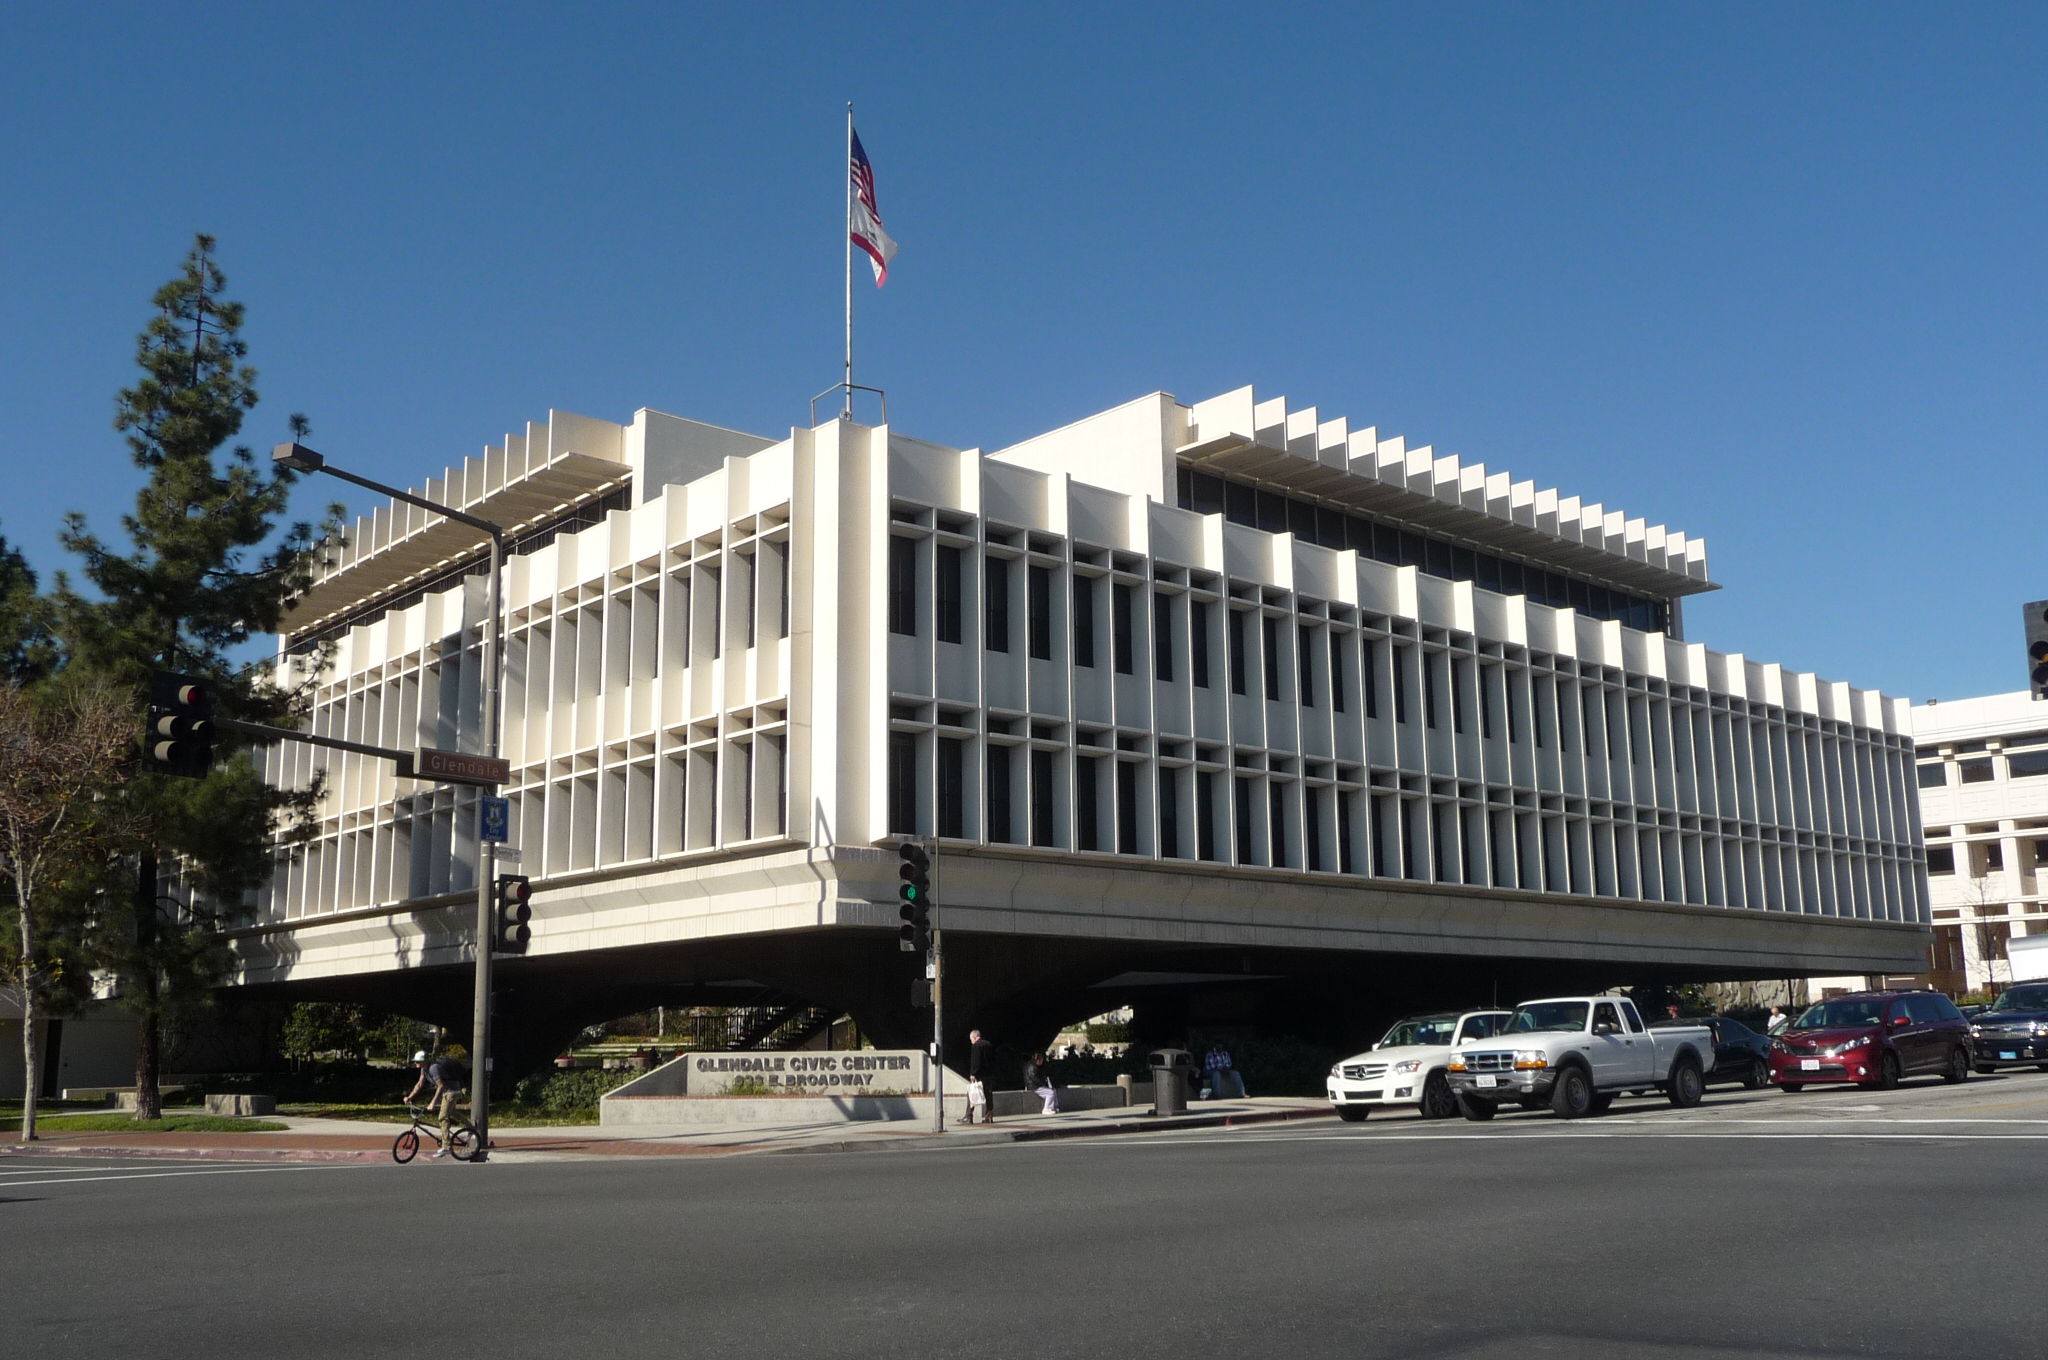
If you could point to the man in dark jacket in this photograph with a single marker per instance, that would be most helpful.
(981, 1065)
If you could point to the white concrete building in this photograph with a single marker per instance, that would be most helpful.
(1228, 684)
(1983, 776)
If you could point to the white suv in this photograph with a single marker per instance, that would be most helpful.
(1407, 1066)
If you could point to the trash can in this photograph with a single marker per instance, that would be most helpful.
(1171, 1069)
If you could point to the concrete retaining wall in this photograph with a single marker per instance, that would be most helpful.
(760, 1111)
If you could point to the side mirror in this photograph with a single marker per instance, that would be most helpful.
(1602, 1027)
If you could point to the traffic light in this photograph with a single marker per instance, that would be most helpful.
(2036, 616)
(180, 739)
(915, 936)
(510, 933)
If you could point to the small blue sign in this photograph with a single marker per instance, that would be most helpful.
(497, 820)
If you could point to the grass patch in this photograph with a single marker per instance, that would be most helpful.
(176, 1123)
(504, 1114)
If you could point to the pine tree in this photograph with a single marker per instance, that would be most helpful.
(195, 586)
(26, 651)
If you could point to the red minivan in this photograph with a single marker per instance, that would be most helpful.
(1873, 1039)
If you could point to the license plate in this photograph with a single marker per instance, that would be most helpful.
(2008, 1055)
(1809, 1064)
(1486, 1083)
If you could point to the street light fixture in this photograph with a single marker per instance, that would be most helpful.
(299, 458)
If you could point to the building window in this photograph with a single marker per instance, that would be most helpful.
(782, 582)
(1038, 587)
(1127, 807)
(1311, 828)
(1120, 629)
(1486, 674)
(2026, 764)
(952, 791)
(903, 587)
(1305, 674)
(1169, 815)
(1084, 622)
(1429, 662)
(1271, 656)
(1933, 775)
(1245, 854)
(946, 620)
(999, 794)
(1041, 798)
(1276, 828)
(1338, 642)
(996, 604)
(902, 784)
(1401, 684)
(1344, 802)
(1458, 696)
(1411, 863)
(1379, 837)
(1205, 816)
(1941, 859)
(1237, 659)
(1162, 638)
(1198, 642)
(1975, 771)
(1087, 815)
(750, 564)
(1371, 676)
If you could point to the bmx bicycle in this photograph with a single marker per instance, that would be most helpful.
(461, 1136)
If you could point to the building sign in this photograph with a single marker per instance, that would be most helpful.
(871, 1072)
(495, 816)
(453, 767)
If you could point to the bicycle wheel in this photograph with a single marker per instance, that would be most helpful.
(406, 1146)
(462, 1142)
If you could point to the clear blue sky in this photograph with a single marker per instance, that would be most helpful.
(1772, 275)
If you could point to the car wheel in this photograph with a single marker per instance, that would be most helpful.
(1352, 1114)
(1887, 1074)
(1573, 1094)
(1958, 1067)
(1758, 1076)
(1437, 1100)
(1478, 1111)
(1686, 1086)
(1791, 1088)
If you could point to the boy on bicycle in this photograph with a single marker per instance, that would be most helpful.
(446, 1074)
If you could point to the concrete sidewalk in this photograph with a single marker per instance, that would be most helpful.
(346, 1140)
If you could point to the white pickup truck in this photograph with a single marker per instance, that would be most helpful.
(1575, 1054)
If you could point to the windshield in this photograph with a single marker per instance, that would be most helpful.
(1843, 1014)
(1561, 1017)
(1430, 1033)
(2022, 999)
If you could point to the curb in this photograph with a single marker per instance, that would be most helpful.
(208, 1154)
(1135, 1125)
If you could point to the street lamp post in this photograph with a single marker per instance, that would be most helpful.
(298, 457)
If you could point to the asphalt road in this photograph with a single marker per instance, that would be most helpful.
(1905, 1223)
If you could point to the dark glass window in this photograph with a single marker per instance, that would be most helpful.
(1084, 621)
(1127, 807)
(1273, 512)
(782, 579)
(1485, 703)
(1580, 593)
(1184, 485)
(1458, 696)
(1379, 837)
(1169, 815)
(1198, 642)
(1934, 775)
(1330, 527)
(946, 622)
(1941, 860)
(2027, 764)
(1386, 544)
(1271, 656)
(1486, 572)
(1511, 582)
(1041, 797)
(999, 794)
(1237, 657)
(1162, 637)
(903, 783)
(1401, 684)
(1412, 549)
(1429, 665)
(750, 564)
(996, 604)
(1276, 823)
(1462, 568)
(1244, 822)
(1975, 771)
(1358, 535)
(1439, 558)
(1087, 816)
(1344, 860)
(1301, 520)
(1304, 639)
(1371, 676)
(1206, 494)
(1205, 816)
(1339, 644)
(1311, 829)
(903, 586)
(1241, 504)
(1038, 592)
(952, 798)
(1603, 603)
(1120, 629)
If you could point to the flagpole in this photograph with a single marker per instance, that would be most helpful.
(846, 174)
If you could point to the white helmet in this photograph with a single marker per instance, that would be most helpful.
(420, 1056)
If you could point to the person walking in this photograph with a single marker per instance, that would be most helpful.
(981, 1063)
(1778, 1021)
(1038, 1081)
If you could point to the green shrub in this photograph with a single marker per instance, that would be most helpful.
(570, 1094)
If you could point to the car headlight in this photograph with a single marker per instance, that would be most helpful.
(1456, 1064)
(1854, 1043)
(1777, 1046)
(1410, 1065)
(1530, 1058)
(1337, 1070)
(2039, 1027)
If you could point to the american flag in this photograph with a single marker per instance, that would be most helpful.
(864, 219)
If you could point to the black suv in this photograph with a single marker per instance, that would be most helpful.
(2014, 1030)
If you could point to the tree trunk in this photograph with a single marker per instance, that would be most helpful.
(31, 1070)
(148, 1038)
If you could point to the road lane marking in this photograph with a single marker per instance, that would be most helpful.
(160, 1175)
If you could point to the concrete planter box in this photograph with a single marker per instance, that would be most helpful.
(764, 1111)
(241, 1105)
(1010, 1104)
